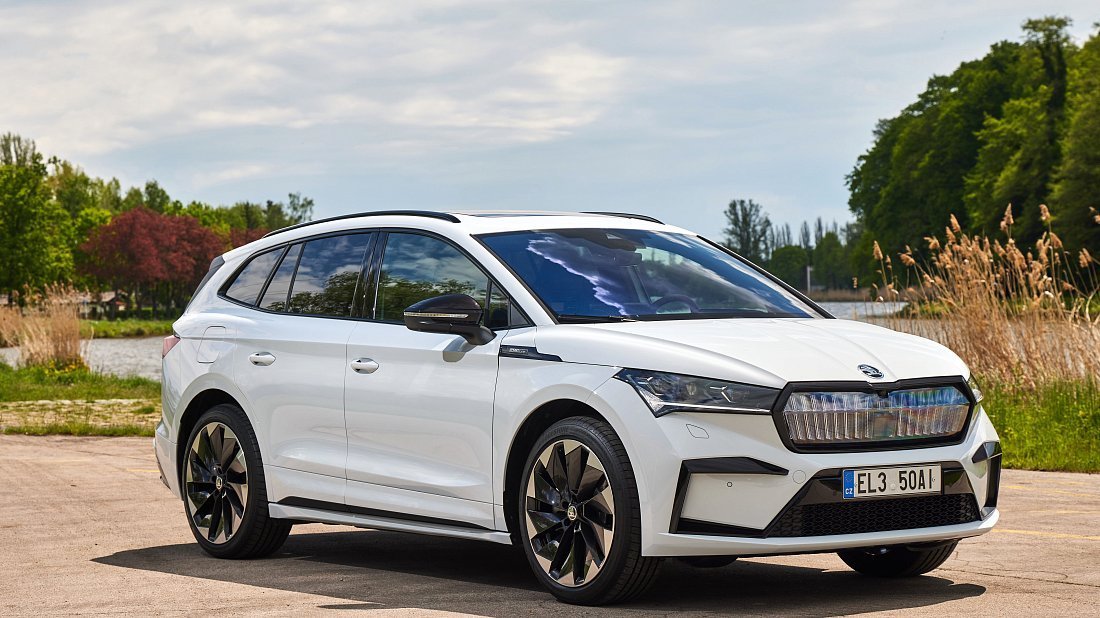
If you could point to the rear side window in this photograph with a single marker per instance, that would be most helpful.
(327, 275)
(416, 267)
(250, 281)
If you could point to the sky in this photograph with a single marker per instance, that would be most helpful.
(669, 109)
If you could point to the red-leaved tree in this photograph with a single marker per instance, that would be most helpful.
(153, 257)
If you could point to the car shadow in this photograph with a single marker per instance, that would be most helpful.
(375, 569)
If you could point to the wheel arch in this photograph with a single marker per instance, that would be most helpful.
(198, 405)
(538, 421)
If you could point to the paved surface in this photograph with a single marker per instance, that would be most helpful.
(87, 528)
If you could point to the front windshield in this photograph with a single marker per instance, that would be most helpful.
(592, 275)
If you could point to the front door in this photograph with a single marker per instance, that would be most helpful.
(419, 406)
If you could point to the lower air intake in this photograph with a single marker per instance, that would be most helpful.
(876, 515)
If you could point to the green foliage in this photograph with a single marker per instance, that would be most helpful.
(831, 263)
(49, 212)
(36, 383)
(1078, 178)
(1054, 426)
(35, 231)
(1009, 128)
(80, 428)
(130, 327)
(789, 264)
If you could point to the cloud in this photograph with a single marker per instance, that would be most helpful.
(671, 109)
(105, 77)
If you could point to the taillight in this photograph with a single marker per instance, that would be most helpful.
(169, 342)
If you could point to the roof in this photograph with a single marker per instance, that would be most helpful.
(459, 216)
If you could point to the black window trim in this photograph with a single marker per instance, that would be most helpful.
(284, 247)
(368, 275)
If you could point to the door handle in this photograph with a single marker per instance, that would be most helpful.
(261, 359)
(364, 365)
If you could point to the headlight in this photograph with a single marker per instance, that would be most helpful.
(671, 392)
(973, 384)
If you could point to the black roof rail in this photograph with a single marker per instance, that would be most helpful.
(444, 216)
(627, 215)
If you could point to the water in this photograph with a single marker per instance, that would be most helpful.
(122, 357)
(861, 310)
(141, 356)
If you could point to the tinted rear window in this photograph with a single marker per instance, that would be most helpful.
(327, 275)
(250, 281)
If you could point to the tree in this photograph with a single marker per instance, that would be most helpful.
(34, 229)
(747, 230)
(830, 262)
(1077, 185)
(1020, 150)
(789, 264)
(150, 255)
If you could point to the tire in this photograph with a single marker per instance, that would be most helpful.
(708, 562)
(225, 493)
(567, 511)
(897, 560)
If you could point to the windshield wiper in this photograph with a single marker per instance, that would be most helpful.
(570, 318)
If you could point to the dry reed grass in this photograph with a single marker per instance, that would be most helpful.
(1017, 316)
(47, 330)
(11, 321)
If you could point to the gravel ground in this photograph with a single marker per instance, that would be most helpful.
(86, 527)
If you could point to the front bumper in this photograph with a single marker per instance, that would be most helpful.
(726, 484)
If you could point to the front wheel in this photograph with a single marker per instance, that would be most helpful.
(579, 516)
(897, 560)
(225, 494)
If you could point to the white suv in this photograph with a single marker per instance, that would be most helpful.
(600, 389)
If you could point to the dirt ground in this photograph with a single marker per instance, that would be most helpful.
(86, 527)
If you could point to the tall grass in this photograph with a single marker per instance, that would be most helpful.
(1018, 316)
(47, 329)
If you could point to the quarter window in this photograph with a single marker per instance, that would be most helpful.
(246, 287)
(416, 267)
(327, 275)
(275, 296)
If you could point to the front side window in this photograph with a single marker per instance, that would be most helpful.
(416, 267)
(592, 275)
(250, 280)
(327, 275)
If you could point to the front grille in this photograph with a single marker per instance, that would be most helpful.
(854, 517)
(839, 418)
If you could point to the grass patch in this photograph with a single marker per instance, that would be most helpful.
(1054, 426)
(79, 428)
(39, 383)
(118, 329)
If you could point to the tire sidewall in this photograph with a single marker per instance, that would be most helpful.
(580, 430)
(233, 417)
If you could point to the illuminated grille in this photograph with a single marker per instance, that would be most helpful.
(838, 418)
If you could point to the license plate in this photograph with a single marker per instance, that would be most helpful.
(873, 482)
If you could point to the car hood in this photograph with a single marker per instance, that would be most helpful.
(762, 351)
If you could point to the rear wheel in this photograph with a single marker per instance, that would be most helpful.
(579, 516)
(225, 494)
(897, 560)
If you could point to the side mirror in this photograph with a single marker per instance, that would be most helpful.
(456, 314)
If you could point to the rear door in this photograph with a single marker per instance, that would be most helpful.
(291, 355)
